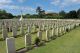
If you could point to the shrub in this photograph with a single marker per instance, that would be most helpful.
(37, 41)
(79, 24)
(37, 26)
(42, 43)
(53, 37)
(74, 26)
(67, 30)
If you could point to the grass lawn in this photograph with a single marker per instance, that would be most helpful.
(19, 41)
(69, 43)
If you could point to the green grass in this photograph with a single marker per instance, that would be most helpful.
(69, 43)
(19, 41)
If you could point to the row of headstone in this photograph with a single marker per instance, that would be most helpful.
(4, 32)
(56, 30)
(14, 28)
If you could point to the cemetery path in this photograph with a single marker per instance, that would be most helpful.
(69, 43)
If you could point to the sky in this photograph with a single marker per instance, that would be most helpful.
(29, 6)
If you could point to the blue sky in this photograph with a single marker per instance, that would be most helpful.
(29, 6)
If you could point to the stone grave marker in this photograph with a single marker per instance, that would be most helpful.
(47, 35)
(10, 45)
(4, 32)
(39, 34)
(14, 31)
(28, 41)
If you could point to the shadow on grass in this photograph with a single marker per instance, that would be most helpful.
(24, 50)
(1, 39)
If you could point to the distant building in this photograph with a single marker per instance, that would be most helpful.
(51, 14)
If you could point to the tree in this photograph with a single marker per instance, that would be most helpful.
(78, 13)
(62, 13)
(40, 11)
(2, 11)
(26, 16)
(9, 15)
(5, 15)
(72, 14)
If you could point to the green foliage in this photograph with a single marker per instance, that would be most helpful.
(53, 37)
(37, 41)
(62, 13)
(78, 13)
(67, 30)
(5, 15)
(71, 15)
(40, 12)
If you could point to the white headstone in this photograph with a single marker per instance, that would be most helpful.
(10, 45)
(69, 27)
(28, 29)
(39, 35)
(47, 35)
(22, 30)
(43, 27)
(60, 32)
(4, 32)
(28, 41)
(14, 31)
(63, 31)
(53, 31)
(57, 32)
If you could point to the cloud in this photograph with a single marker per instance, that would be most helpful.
(63, 3)
(72, 1)
(55, 2)
(24, 8)
(4, 2)
(10, 5)
(75, 1)
(49, 10)
(15, 7)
